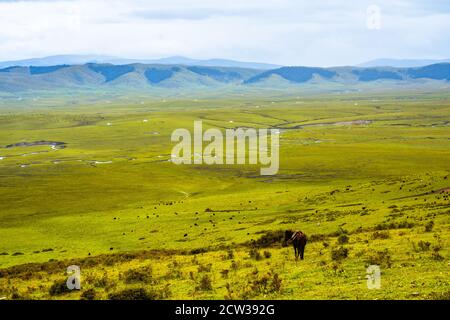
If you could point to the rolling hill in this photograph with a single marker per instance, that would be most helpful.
(93, 75)
(145, 76)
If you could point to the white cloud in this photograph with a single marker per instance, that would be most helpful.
(296, 32)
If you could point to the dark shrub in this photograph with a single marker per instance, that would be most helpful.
(225, 273)
(267, 254)
(18, 254)
(342, 239)
(198, 250)
(394, 225)
(101, 282)
(59, 287)
(380, 235)
(423, 245)
(260, 285)
(140, 275)
(429, 226)
(339, 254)
(439, 295)
(270, 238)
(436, 248)
(254, 254)
(435, 255)
(88, 295)
(16, 295)
(276, 283)
(133, 294)
(205, 284)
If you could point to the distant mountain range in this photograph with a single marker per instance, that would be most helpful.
(82, 59)
(138, 76)
(401, 63)
(180, 60)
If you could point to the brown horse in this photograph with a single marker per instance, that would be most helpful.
(298, 239)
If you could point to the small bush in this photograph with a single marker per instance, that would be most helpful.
(138, 275)
(268, 283)
(267, 254)
(165, 292)
(276, 283)
(423, 245)
(59, 287)
(225, 273)
(336, 267)
(342, 239)
(270, 238)
(438, 245)
(394, 225)
(439, 295)
(380, 258)
(429, 226)
(102, 282)
(205, 284)
(339, 254)
(16, 295)
(88, 295)
(198, 250)
(205, 267)
(254, 254)
(174, 273)
(230, 292)
(380, 235)
(435, 255)
(229, 255)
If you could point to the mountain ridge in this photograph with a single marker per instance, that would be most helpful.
(83, 59)
(140, 75)
(401, 63)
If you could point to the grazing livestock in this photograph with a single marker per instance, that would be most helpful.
(298, 239)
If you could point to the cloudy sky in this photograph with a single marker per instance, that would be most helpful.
(289, 32)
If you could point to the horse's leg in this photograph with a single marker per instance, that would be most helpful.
(295, 251)
(302, 251)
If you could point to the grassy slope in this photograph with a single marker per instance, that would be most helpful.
(78, 208)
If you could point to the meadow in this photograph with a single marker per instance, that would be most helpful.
(366, 177)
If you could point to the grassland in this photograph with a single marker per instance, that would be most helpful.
(141, 227)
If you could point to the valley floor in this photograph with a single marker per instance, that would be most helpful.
(367, 178)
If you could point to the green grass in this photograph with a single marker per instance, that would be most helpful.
(354, 177)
